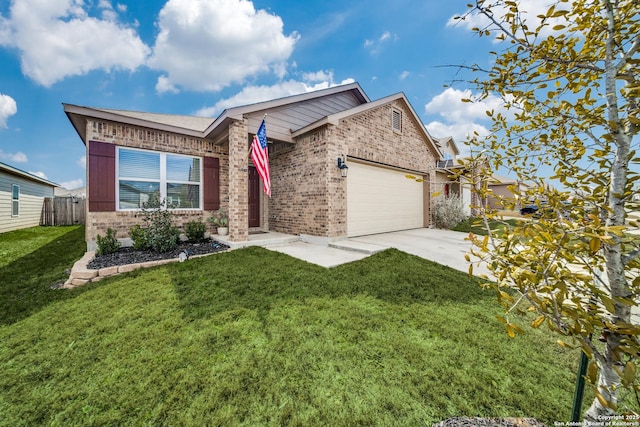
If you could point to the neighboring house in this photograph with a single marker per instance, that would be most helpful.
(21, 197)
(202, 164)
(502, 187)
(79, 193)
(452, 176)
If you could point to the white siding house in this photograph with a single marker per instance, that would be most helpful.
(21, 198)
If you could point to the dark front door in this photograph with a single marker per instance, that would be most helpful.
(254, 197)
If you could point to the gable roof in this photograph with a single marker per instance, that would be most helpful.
(334, 119)
(187, 125)
(238, 113)
(448, 140)
(209, 128)
(18, 172)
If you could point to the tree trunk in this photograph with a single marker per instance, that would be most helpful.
(608, 383)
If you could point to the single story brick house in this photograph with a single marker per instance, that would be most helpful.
(21, 197)
(202, 164)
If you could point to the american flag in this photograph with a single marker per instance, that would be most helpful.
(260, 157)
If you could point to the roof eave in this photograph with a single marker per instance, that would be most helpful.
(79, 111)
(27, 175)
(238, 113)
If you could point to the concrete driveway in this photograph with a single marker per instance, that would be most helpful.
(442, 246)
(445, 247)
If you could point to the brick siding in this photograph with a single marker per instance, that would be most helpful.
(309, 195)
(161, 141)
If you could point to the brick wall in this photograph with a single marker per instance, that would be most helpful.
(309, 195)
(150, 139)
(238, 173)
(299, 199)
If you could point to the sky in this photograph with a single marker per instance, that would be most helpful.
(198, 57)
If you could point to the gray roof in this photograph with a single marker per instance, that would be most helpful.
(210, 128)
(15, 171)
(199, 124)
(201, 127)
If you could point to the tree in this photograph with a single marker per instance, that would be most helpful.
(569, 79)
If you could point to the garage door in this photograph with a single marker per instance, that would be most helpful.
(380, 200)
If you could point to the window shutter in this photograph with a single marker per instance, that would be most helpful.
(211, 182)
(102, 177)
(396, 120)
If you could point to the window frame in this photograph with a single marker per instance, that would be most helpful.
(15, 201)
(162, 181)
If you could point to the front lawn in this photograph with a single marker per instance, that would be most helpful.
(476, 226)
(33, 260)
(254, 337)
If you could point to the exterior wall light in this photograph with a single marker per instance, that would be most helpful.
(342, 165)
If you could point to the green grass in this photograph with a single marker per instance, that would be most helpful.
(253, 337)
(476, 226)
(31, 261)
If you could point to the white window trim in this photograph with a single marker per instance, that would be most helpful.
(15, 200)
(162, 181)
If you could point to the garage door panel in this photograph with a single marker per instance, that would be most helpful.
(381, 200)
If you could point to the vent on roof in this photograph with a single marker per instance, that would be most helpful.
(396, 120)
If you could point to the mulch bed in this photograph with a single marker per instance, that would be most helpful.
(129, 255)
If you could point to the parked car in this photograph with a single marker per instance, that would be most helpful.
(533, 209)
(530, 209)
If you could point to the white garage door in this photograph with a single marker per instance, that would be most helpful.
(381, 200)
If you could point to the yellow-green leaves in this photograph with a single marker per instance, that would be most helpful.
(539, 321)
(629, 374)
(572, 83)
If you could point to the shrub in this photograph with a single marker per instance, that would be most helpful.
(157, 231)
(107, 244)
(448, 212)
(195, 230)
(140, 237)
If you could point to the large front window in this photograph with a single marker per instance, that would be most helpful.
(143, 174)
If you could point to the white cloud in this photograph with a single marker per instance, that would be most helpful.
(449, 105)
(57, 39)
(459, 131)
(530, 10)
(39, 174)
(375, 46)
(73, 184)
(252, 94)
(209, 44)
(404, 75)
(8, 108)
(82, 162)
(462, 119)
(18, 157)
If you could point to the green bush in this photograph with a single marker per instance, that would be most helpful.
(107, 244)
(140, 237)
(157, 231)
(195, 230)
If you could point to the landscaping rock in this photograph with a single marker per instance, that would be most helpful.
(129, 255)
(489, 422)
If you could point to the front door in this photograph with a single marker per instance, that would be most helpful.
(254, 197)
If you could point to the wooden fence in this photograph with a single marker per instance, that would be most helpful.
(63, 211)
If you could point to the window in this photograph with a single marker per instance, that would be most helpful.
(396, 120)
(15, 200)
(143, 174)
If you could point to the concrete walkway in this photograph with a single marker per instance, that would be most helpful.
(442, 246)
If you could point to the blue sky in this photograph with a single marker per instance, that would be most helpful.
(197, 57)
